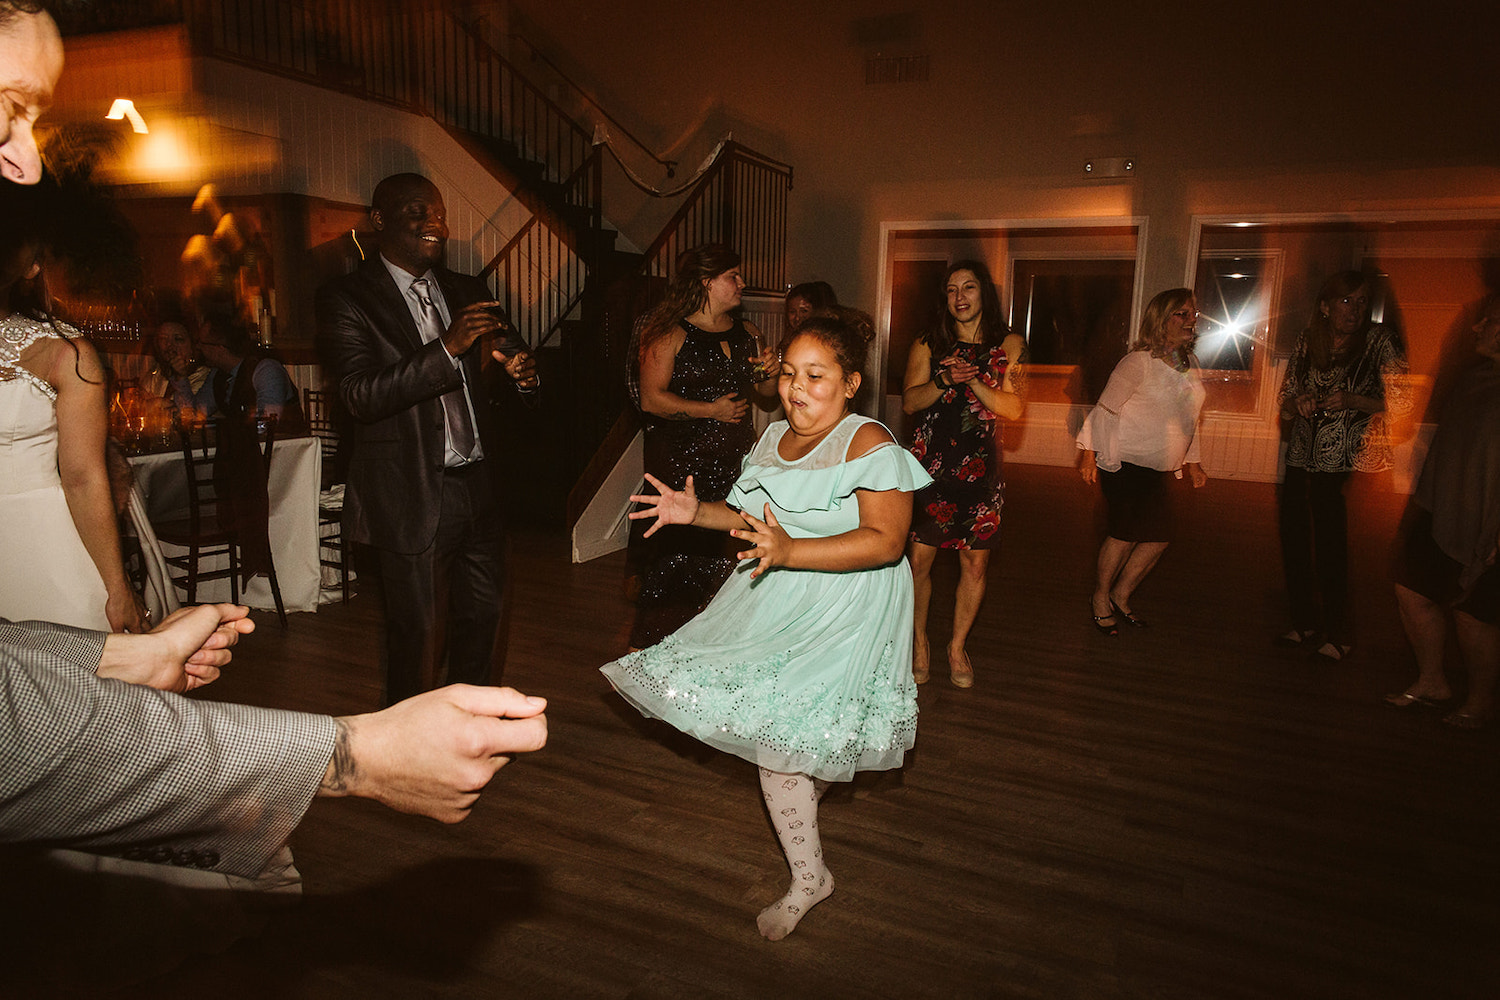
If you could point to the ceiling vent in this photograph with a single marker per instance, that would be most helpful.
(896, 69)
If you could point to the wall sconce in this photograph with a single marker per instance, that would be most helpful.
(1109, 166)
(126, 109)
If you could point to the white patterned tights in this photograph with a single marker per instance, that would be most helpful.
(792, 801)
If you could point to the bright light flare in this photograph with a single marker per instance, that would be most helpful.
(1227, 337)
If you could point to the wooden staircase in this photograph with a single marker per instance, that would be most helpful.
(570, 293)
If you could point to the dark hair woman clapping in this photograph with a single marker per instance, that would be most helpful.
(962, 376)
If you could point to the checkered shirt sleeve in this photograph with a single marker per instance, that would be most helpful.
(111, 767)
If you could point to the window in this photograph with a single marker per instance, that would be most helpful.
(1427, 276)
(1234, 291)
(1067, 286)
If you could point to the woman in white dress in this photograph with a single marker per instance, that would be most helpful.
(59, 542)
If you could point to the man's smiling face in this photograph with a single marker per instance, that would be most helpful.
(413, 226)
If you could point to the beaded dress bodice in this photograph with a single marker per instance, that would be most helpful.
(28, 412)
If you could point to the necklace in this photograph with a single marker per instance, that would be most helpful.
(1177, 357)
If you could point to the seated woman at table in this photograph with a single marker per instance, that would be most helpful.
(248, 386)
(178, 376)
(59, 550)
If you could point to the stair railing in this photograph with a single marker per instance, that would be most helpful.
(418, 56)
(541, 275)
(740, 202)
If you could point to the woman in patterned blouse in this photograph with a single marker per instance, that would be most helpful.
(1345, 374)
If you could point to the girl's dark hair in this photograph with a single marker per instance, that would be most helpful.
(993, 330)
(687, 293)
(819, 294)
(1320, 330)
(846, 332)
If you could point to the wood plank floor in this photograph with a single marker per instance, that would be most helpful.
(1183, 812)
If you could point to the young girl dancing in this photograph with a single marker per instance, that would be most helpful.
(801, 664)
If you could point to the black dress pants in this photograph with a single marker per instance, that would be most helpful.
(444, 602)
(1315, 550)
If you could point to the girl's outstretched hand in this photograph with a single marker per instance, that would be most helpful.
(669, 506)
(772, 545)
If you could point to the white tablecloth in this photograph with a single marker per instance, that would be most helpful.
(295, 476)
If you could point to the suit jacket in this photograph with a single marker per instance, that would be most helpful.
(390, 383)
(111, 767)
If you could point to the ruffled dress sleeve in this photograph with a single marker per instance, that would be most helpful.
(888, 467)
(814, 496)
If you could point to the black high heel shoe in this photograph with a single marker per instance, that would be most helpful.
(1130, 619)
(1113, 628)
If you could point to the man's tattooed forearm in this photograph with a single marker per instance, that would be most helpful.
(341, 769)
(680, 415)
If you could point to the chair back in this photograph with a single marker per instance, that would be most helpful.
(198, 464)
(268, 444)
(317, 406)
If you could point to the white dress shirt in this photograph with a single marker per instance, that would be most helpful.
(404, 280)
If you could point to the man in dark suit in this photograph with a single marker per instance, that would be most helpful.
(399, 339)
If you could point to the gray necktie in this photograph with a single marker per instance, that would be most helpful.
(455, 406)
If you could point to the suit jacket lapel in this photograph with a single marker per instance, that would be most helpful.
(392, 301)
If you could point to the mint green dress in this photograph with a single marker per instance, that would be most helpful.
(798, 671)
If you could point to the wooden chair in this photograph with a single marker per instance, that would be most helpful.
(131, 553)
(332, 552)
(202, 532)
(271, 563)
(206, 532)
(317, 406)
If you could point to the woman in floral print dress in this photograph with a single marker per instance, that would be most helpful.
(961, 377)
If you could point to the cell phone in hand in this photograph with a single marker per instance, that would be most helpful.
(510, 344)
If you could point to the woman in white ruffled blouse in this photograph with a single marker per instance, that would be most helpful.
(1144, 427)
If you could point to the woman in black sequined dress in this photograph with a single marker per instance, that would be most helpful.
(700, 368)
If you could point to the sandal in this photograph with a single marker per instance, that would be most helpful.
(1296, 638)
(1113, 628)
(1130, 619)
(1408, 700)
(1335, 651)
(1466, 720)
